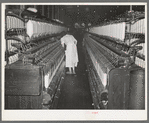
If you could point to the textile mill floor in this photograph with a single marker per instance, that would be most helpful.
(75, 91)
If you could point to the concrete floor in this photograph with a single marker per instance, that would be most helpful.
(75, 92)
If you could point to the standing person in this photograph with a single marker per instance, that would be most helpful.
(70, 52)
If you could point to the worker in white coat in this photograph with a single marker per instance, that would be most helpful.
(70, 52)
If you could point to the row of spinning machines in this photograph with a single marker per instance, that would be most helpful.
(35, 65)
(115, 59)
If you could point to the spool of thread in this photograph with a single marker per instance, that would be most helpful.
(137, 89)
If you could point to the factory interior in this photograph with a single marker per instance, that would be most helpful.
(110, 73)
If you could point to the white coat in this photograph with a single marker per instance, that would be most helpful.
(71, 50)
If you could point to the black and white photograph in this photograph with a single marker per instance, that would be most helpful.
(74, 61)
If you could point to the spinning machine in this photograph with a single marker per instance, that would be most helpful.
(35, 65)
(115, 58)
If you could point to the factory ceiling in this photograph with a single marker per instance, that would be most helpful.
(96, 14)
(88, 14)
